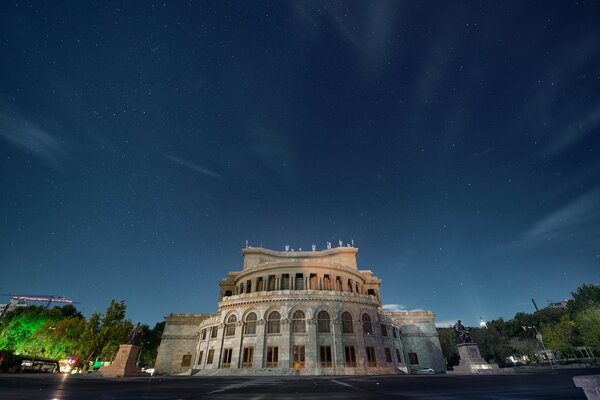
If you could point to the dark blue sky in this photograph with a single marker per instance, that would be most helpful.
(457, 143)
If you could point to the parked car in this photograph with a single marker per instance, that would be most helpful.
(426, 371)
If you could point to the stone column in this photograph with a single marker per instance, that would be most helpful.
(361, 352)
(259, 350)
(311, 352)
(219, 344)
(284, 349)
(236, 357)
(337, 345)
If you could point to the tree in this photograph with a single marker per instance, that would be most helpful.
(586, 296)
(587, 323)
(493, 345)
(560, 336)
(149, 340)
(448, 342)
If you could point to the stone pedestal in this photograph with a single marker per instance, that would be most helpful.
(471, 361)
(590, 385)
(124, 363)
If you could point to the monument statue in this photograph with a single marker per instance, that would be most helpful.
(471, 361)
(462, 333)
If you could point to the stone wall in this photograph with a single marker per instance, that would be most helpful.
(419, 336)
(179, 338)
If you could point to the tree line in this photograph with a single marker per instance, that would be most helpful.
(63, 332)
(562, 329)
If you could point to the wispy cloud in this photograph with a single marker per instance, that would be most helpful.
(28, 136)
(192, 166)
(368, 28)
(393, 307)
(446, 323)
(567, 221)
(574, 132)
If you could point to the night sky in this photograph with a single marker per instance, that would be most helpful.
(457, 144)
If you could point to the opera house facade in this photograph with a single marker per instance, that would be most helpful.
(299, 312)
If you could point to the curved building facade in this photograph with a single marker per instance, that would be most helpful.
(309, 313)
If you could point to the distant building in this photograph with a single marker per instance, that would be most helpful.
(305, 312)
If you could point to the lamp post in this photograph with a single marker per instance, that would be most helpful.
(539, 337)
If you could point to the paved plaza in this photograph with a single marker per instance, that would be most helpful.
(546, 384)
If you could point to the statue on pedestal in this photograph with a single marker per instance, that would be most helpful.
(462, 333)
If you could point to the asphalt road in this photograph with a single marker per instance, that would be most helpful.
(524, 385)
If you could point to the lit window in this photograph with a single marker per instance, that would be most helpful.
(272, 356)
(299, 356)
(248, 357)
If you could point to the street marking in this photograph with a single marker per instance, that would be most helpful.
(344, 384)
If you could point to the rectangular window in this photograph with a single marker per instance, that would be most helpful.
(211, 356)
(248, 286)
(259, 284)
(186, 360)
(272, 356)
(327, 282)
(299, 284)
(384, 330)
(350, 356)
(299, 357)
(203, 334)
(313, 281)
(227, 358)
(271, 283)
(412, 358)
(326, 356)
(394, 332)
(398, 355)
(213, 331)
(248, 357)
(388, 354)
(285, 282)
(371, 360)
(200, 357)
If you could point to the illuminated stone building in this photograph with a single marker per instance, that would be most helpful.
(303, 312)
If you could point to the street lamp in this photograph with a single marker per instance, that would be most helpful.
(539, 337)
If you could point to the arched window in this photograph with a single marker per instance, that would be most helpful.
(323, 322)
(298, 322)
(230, 329)
(347, 326)
(250, 328)
(366, 323)
(273, 322)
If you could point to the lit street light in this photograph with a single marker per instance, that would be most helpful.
(539, 337)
